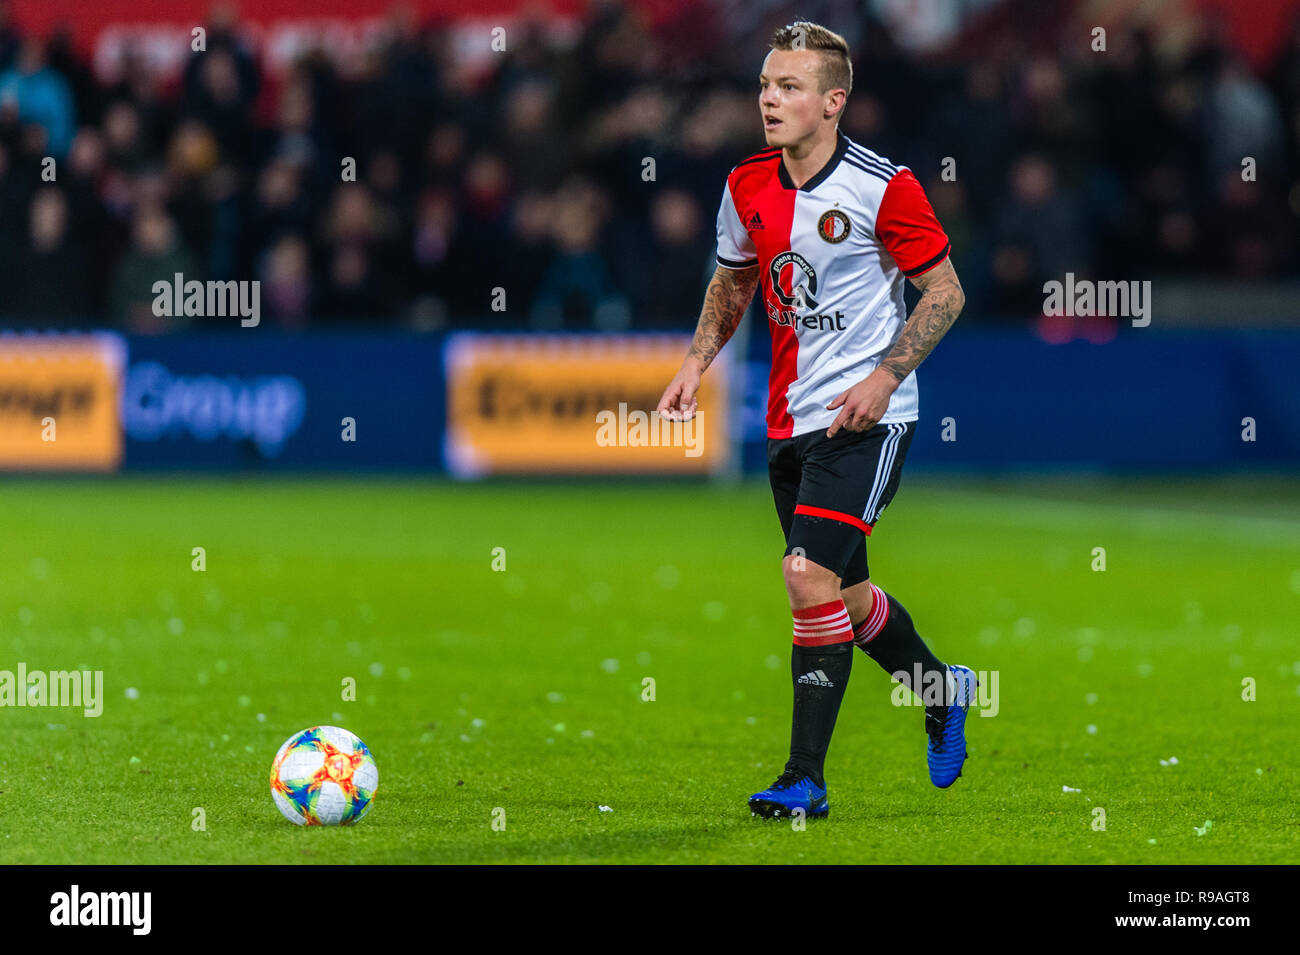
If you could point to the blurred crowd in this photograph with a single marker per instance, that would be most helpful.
(581, 173)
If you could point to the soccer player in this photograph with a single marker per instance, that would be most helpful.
(828, 229)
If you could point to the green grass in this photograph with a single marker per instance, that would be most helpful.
(499, 689)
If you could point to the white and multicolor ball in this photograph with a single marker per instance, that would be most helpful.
(324, 776)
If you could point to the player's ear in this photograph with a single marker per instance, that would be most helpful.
(835, 100)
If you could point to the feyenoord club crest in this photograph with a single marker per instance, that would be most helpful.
(833, 226)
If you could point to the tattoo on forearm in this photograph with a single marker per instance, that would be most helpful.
(929, 322)
(725, 303)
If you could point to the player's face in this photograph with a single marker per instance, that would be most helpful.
(790, 96)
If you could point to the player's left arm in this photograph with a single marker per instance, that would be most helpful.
(941, 299)
(941, 302)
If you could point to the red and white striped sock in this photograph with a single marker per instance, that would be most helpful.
(823, 624)
(876, 620)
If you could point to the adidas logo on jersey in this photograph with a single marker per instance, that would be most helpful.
(755, 223)
(816, 678)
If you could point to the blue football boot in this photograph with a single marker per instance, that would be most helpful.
(795, 789)
(946, 726)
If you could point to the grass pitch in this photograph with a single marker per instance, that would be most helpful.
(517, 695)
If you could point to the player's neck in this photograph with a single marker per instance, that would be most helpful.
(804, 160)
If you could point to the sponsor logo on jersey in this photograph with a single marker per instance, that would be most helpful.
(803, 286)
(834, 226)
(801, 293)
(755, 223)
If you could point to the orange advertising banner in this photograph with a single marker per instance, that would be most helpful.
(577, 404)
(60, 401)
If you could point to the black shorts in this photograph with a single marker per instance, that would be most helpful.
(829, 492)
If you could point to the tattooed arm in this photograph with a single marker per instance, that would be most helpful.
(725, 301)
(941, 302)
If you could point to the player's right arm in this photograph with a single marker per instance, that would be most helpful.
(725, 302)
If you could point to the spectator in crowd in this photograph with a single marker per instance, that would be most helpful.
(10, 40)
(578, 287)
(15, 191)
(287, 293)
(157, 254)
(41, 95)
(50, 276)
(430, 265)
(666, 268)
(1037, 235)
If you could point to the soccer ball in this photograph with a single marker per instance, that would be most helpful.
(323, 776)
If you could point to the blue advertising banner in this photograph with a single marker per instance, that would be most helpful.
(268, 400)
(1147, 400)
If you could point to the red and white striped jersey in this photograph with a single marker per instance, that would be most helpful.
(832, 255)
